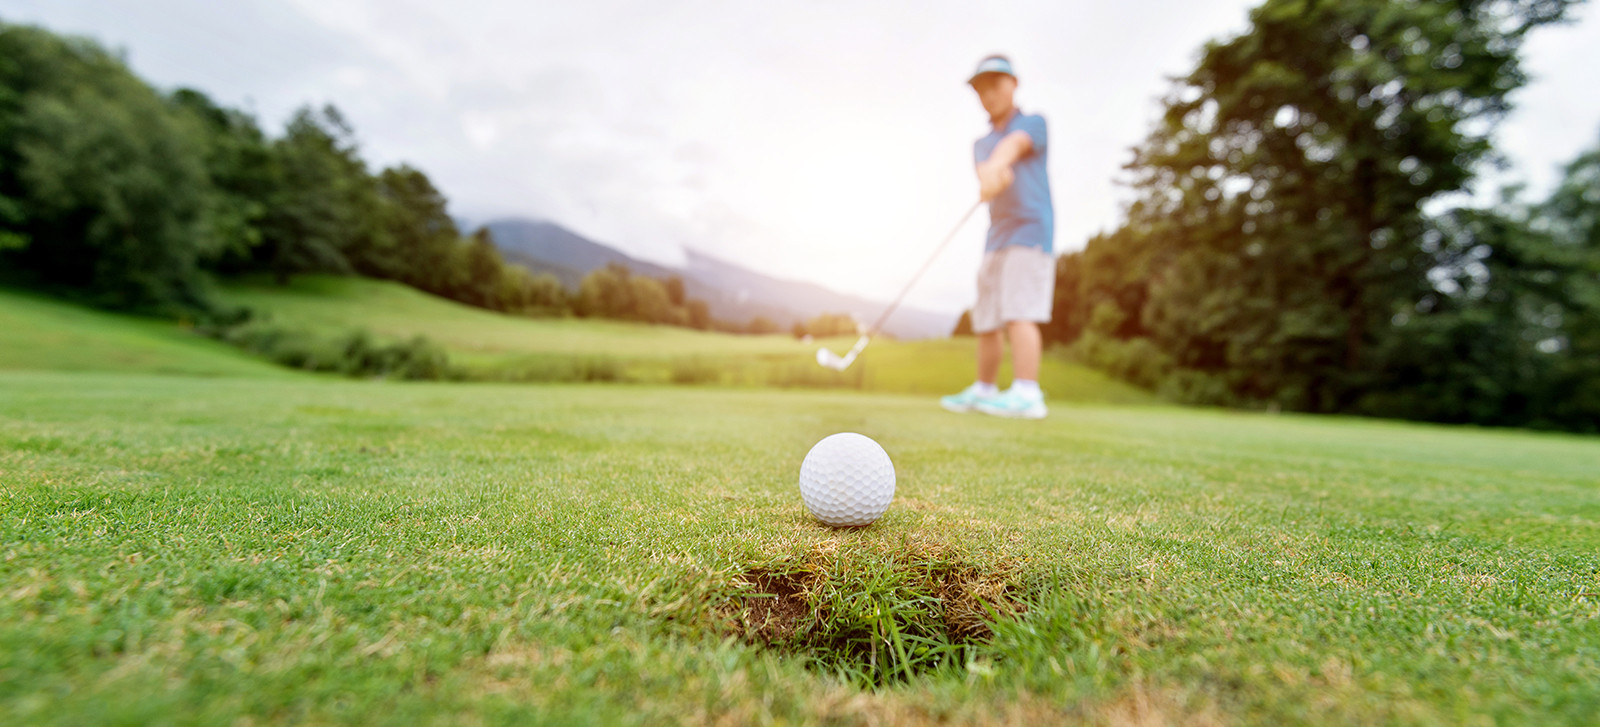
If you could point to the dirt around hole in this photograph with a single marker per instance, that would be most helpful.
(774, 606)
(872, 614)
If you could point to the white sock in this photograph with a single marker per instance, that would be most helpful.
(1027, 388)
(984, 389)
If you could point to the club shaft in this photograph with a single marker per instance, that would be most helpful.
(840, 363)
(884, 317)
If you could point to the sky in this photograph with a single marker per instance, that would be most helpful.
(826, 141)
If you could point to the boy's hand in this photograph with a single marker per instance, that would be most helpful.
(994, 173)
(993, 179)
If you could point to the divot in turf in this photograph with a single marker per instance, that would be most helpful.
(874, 613)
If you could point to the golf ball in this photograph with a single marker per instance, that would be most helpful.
(847, 480)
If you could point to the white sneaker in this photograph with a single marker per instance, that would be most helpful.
(965, 401)
(1013, 405)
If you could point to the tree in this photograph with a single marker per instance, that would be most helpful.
(606, 293)
(1508, 334)
(676, 293)
(1279, 226)
(699, 313)
(651, 302)
(761, 325)
(111, 189)
(484, 271)
(833, 324)
(423, 238)
(326, 215)
(243, 173)
(526, 293)
(100, 188)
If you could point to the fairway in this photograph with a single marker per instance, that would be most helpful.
(317, 550)
(499, 345)
(330, 304)
(42, 333)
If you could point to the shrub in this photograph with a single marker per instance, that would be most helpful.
(354, 354)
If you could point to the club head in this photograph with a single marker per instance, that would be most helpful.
(831, 360)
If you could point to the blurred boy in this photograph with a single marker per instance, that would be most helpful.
(1016, 282)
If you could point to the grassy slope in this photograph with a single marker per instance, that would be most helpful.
(320, 550)
(44, 334)
(334, 305)
(486, 339)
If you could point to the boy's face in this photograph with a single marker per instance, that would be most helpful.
(995, 92)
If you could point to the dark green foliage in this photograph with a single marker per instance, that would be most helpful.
(615, 292)
(676, 294)
(535, 294)
(699, 314)
(354, 354)
(832, 324)
(102, 190)
(606, 293)
(244, 175)
(423, 239)
(1508, 335)
(484, 271)
(112, 191)
(423, 248)
(323, 217)
(761, 325)
(1279, 253)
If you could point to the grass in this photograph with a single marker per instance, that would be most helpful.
(191, 535)
(43, 334)
(333, 305)
(304, 549)
(485, 345)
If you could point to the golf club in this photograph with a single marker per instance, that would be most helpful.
(836, 362)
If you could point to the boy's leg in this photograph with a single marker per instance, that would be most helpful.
(991, 339)
(991, 347)
(1026, 346)
(1028, 282)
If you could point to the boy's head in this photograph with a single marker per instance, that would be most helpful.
(996, 85)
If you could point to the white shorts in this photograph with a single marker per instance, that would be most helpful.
(1014, 284)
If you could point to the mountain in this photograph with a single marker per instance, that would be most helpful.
(733, 292)
(741, 288)
(546, 247)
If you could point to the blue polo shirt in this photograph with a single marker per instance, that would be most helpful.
(1021, 215)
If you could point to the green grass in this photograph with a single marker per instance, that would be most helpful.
(333, 305)
(318, 550)
(492, 345)
(191, 535)
(43, 334)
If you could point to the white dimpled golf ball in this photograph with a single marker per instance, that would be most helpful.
(847, 480)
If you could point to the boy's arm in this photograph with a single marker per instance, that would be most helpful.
(994, 173)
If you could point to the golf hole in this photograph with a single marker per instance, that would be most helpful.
(869, 616)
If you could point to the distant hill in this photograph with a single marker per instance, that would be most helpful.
(733, 292)
(549, 247)
(726, 284)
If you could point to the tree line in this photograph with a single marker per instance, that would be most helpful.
(131, 198)
(1298, 240)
